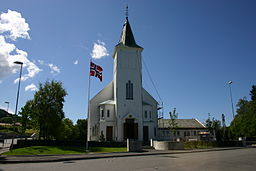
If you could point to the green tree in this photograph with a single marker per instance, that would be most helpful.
(173, 124)
(47, 109)
(81, 128)
(67, 130)
(214, 127)
(244, 123)
(253, 93)
(26, 111)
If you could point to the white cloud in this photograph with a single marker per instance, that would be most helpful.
(54, 68)
(31, 87)
(13, 26)
(76, 62)
(40, 62)
(13, 23)
(1, 81)
(99, 50)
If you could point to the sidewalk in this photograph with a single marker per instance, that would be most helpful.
(56, 158)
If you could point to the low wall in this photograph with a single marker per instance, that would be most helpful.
(168, 145)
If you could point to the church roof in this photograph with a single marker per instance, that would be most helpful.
(127, 37)
(182, 124)
(108, 102)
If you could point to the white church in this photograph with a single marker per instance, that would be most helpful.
(124, 109)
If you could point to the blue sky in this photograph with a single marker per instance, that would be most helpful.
(191, 47)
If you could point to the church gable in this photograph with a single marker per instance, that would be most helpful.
(105, 94)
(148, 99)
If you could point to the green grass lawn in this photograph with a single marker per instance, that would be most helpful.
(44, 150)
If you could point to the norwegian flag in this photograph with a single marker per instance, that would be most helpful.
(96, 71)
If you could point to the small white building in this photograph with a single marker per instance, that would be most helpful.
(185, 129)
(124, 109)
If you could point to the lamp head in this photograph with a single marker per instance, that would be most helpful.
(18, 62)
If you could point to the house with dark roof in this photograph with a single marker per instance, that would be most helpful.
(184, 129)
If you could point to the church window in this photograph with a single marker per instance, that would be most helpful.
(102, 113)
(146, 114)
(129, 90)
(108, 113)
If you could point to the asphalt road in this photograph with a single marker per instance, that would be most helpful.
(240, 159)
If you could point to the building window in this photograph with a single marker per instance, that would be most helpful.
(108, 113)
(129, 90)
(150, 115)
(146, 114)
(155, 131)
(102, 113)
(195, 133)
(178, 133)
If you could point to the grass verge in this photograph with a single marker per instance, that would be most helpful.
(51, 150)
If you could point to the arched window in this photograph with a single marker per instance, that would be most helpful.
(129, 90)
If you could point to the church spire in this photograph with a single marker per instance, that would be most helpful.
(127, 37)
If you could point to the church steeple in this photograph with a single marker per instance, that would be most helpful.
(127, 37)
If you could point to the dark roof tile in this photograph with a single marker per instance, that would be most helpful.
(127, 37)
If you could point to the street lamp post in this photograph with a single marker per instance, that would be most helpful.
(18, 92)
(7, 106)
(232, 105)
(17, 100)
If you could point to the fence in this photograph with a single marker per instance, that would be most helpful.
(28, 143)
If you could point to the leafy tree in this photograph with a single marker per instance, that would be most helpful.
(25, 113)
(46, 109)
(67, 130)
(172, 122)
(244, 123)
(253, 93)
(214, 127)
(81, 128)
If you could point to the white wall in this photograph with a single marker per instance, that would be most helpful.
(94, 113)
(127, 63)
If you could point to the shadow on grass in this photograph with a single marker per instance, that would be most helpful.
(41, 149)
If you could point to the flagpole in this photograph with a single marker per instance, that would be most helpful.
(88, 113)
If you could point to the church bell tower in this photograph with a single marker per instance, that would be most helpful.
(128, 86)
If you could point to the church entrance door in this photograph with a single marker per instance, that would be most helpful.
(145, 133)
(130, 129)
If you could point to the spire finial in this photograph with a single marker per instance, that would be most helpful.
(126, 12)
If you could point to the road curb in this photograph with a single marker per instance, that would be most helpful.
(60, 158)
